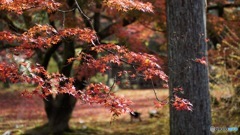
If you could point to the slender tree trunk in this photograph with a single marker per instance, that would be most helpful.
(186, 42)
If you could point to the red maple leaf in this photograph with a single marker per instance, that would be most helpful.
(201, 60)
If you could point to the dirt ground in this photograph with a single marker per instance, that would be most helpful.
(21, 115)
(18, 113)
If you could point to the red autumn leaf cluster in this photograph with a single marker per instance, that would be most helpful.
(158, 104)
(46, 83)
(18, 6)
(127, 5)
(41, 37)
(143, 63)
(101, 94)
(45, 35)
(201, 60)
(9, 71)
(181, 104)
(55, 83)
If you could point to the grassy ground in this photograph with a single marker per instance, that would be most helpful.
(19, 114)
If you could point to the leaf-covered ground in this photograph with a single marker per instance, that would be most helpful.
(21, 115)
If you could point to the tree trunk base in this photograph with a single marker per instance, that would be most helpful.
(46, 130)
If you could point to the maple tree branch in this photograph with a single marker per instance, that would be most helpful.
(69, 52)
(98, 42)
(111, 52)
(155, 93)
(113, 83)
(97, 17)
(88, 20)
(64, 14)
(50, 51)
(154, 90)
(59, 60)
(49, 54)
(11, 24)
(105, 32)
(65, 11)
(111, 88)
(81, 11)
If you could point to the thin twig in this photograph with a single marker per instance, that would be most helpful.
(64, 15)
(88, 19)
(81, 11)
(154, 90)
(63, 23)
(98, 42)
(155, 93)
(113, 83)
(109, 51)
(65, 11)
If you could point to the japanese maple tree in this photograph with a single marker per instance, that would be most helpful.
(36, 30)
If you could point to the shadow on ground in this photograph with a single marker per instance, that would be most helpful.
(119, 127)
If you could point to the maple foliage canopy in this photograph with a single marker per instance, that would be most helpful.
(44, 36)
(18, 6)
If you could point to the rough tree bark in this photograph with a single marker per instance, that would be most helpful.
(186, 42)
(59, 109)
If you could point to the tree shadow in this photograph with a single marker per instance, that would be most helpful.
(44, 130)
(118, 127)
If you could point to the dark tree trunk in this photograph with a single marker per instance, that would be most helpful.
(59, 108)
(186, 42)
